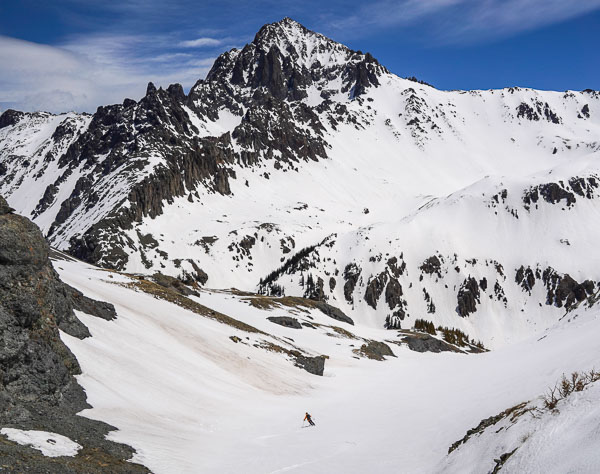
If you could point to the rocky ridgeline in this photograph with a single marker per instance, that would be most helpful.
(136, 156)
(38, 389)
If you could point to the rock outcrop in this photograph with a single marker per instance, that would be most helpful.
(285, 321)
(375, 350)
(38, 389)
(427, 343)
(468, 297)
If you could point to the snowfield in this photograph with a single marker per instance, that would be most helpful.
(50, 444)
(189, 399)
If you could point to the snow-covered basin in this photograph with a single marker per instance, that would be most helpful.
(50, 444)
(190, 400)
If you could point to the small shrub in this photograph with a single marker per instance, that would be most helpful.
(566, 386)
(550, 399)
(577, 382)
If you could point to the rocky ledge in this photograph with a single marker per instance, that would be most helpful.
(38, 390)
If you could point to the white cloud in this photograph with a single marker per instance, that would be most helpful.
(200, 42)
(86, 72)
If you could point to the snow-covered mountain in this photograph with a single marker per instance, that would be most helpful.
(301, 167)
(102, 371)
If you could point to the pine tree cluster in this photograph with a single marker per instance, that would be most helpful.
(424, 326)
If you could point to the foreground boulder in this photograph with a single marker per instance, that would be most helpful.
(376, 350)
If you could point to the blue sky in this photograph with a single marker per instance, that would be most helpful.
(77, 54)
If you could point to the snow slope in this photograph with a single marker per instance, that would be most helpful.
(189, 399)
(562, 440)
(424, 196)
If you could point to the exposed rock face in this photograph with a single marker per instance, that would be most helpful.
(555, 193)
(30, 288)
(351, 275)
(37, 387)
(196, 276)
(432, 266)
(561, 290)
(376, 350)
(279, 61)
(585, 111)
(10, 117)
(4, 207)
(393, 293)
(313, 365)
(468, 297)
(375, 288)
(564, 290)
(285, 321)
(173, 283)
(100, 309)
(525, 278)
(537, 111)
(486, 423)
(397, 268)
(333, 312)
(427, 343)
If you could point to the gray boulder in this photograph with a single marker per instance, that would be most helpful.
(285, 321)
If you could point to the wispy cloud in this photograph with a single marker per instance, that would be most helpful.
(88, 71)
(451, 21)
(200, 42)
(385, 13)
(513, 16)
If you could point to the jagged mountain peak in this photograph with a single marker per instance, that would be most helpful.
(287, 59)
(307, 47)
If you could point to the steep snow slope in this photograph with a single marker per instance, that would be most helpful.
(535, 439)
(315, 143)
(32, 148)
(190, 399)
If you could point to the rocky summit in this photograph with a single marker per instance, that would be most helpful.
(301, 167)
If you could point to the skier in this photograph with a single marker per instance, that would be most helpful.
(309, 419)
